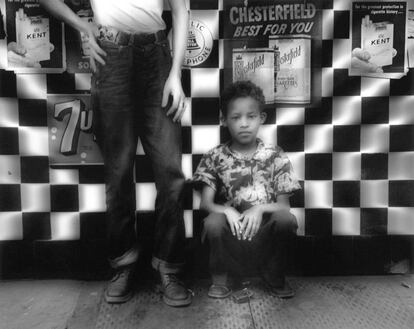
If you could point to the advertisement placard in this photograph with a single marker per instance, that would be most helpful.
(34, 39)
(378, 38)
(77, 48)
(289, 33)
(71, 140)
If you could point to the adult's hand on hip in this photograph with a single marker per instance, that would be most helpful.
(174, 89)
(96, 53)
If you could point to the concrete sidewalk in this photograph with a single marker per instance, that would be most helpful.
(321, 302)
(37, 304)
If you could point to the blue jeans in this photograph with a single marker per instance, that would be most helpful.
(126, 97)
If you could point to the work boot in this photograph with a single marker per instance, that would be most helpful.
(119, 289)
(174, 291)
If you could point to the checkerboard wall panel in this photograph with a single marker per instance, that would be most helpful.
(353, 154)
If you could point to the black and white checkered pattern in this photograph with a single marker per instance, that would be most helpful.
(353, 155)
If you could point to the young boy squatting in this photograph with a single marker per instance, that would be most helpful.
(245, 188)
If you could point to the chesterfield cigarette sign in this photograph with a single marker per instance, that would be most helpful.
(277, 45)
(247, 19)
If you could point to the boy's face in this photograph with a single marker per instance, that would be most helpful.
(243, 119)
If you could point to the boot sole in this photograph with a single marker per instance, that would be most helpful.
(177, 303)
(118, 299)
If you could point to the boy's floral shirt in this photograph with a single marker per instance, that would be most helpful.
(242, 182)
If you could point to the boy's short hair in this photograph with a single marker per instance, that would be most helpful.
(241, 89)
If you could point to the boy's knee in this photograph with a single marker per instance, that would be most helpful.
(215, 225)
(284, 222)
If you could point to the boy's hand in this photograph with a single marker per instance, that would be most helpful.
(252, 218)
(233, 218)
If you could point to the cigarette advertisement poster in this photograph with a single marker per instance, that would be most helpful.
(276, 45)
(378, 38)
(77, 48)
(71, 140)
(34, 39)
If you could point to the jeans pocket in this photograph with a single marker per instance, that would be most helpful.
(114, 52)
(166, 49)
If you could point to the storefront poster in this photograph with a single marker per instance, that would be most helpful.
(378, 39)
(77, 48)
(71, 140)
(277, 45)
(34, 39)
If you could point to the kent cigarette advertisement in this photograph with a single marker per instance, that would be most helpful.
(34, 39)
(277, 46)
(378, 38)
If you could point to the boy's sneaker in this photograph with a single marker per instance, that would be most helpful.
(119, 289)
(285, 291)
(278, 286)
(219, 291)
(174, 291)
(219, 288)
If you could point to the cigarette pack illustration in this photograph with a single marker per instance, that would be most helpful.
(32, 32)
(256, 65)
(377, 39)
(292, 69)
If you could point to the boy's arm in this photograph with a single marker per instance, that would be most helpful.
(173, 84)
(232, 215)
(207, 201)
(252, 217)
(61, 11)
(282, 203)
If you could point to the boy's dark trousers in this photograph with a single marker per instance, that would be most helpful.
(267, 249)
(126, 96)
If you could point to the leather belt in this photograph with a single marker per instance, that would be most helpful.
(124, 38)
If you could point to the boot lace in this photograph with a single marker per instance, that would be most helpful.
(171, 279)
(120, 275)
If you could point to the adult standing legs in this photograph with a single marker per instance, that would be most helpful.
(113, 109)
(161, 139)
